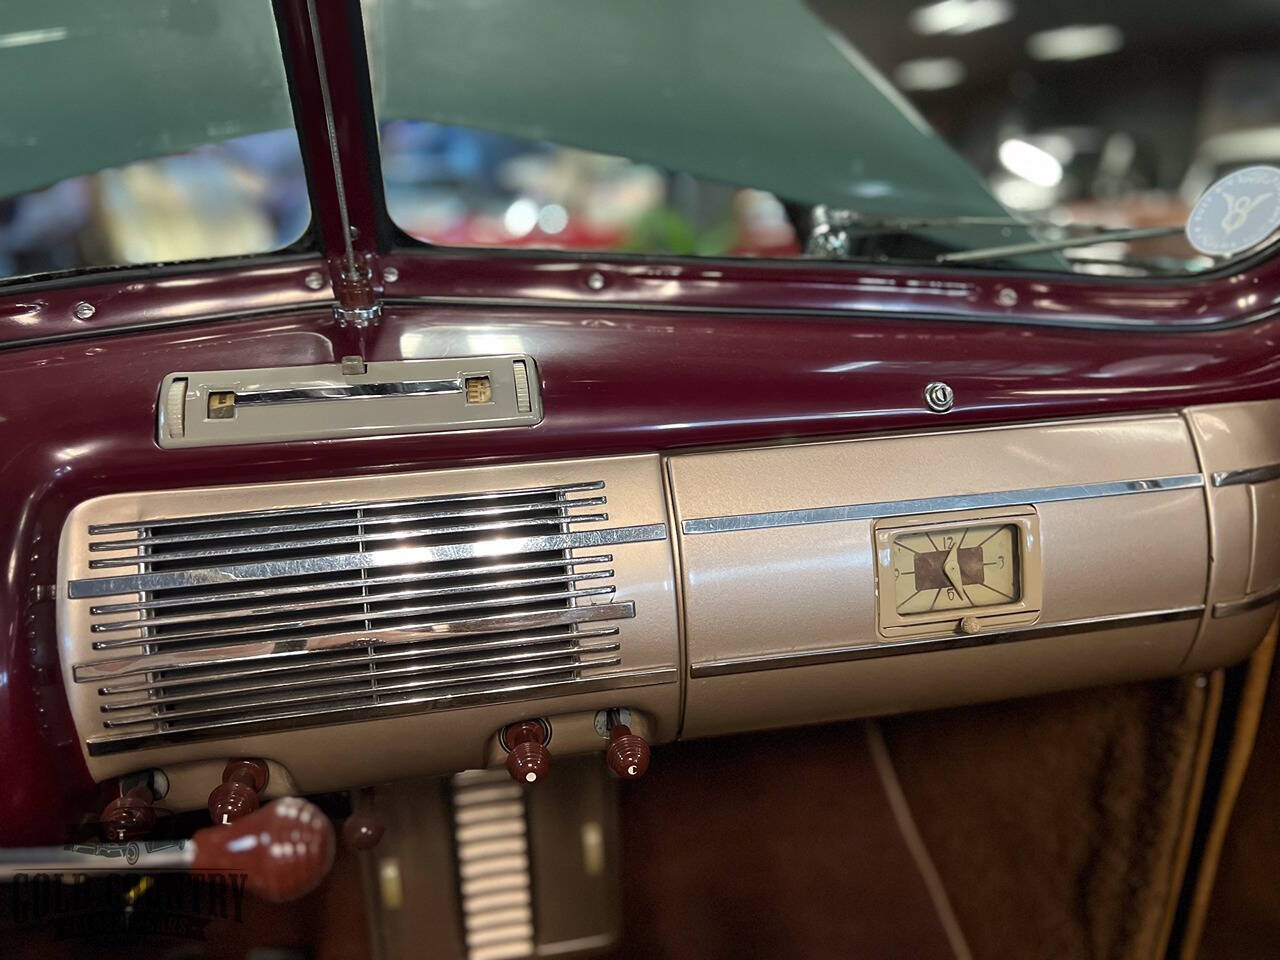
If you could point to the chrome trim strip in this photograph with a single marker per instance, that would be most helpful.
(257, 651)
(99, 528)
(1254, 601)
(970, 501)
(364, 560)
(509, 693)
(211, 554)
(338, 390)
(1229, 478)
(898, 648)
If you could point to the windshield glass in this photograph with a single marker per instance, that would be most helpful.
(144, 131)
(990, 132)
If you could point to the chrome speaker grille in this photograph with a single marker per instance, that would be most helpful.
(242, 622)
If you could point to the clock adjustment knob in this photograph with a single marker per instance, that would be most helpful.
(237, 795)
(628, 754)
(528, 759)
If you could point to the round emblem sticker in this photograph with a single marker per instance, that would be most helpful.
(1240, 210)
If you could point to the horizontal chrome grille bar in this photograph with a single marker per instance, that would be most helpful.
(370, 617)
(370, 679)
(387, 636)
(971, 501)
(213, 554)
(504, 693)
(556, 508)
(364, 560)
(358, 599)
(101, 528)
(365, 692)
(268, 593)
(226, 670)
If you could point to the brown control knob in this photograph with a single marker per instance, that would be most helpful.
(284, 850)
(129, 816)
(237, 795)
(528, 759)
(628, 753)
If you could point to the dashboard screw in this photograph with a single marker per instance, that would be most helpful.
(939, 397)
(390, 275)
(314, 280)
(84, 310)
(596, 280)
(1007, 297)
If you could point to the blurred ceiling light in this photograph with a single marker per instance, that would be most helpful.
(1075, 42)
(27, 38)
(553, 218)
(956, 17)
(1031, 163)
(521, 217)
(928, 73)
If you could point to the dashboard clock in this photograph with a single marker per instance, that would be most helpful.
(965, 572)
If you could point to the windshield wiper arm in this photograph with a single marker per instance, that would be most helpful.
(1064, 243)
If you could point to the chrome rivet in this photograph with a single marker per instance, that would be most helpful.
(84, 310)
(314, 280)
(390, 275)
(939, 397)
(596, 280)
(1007, 297)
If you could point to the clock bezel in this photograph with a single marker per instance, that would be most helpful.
(1026, 609)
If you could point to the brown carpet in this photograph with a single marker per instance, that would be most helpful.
(778, 845)
(1243, 920)
(1054, 821)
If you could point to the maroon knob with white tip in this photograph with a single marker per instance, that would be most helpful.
(628, 753)
(528, 759)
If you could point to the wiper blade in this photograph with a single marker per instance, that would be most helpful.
(1064, 243)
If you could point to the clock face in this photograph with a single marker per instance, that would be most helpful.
(955, 569)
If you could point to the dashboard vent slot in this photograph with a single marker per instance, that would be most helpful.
(242, 622)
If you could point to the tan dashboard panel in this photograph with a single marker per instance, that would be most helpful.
(780, 585)
(1239, 446)
(176, 680)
